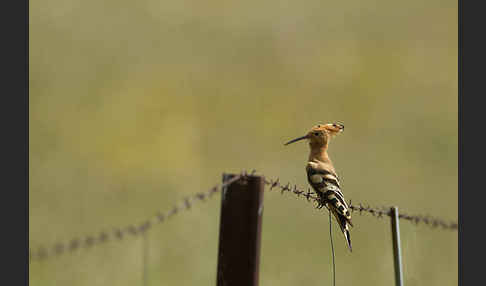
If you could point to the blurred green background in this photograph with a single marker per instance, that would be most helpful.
(136, 104)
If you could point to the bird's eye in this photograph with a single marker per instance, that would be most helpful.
(317, 134)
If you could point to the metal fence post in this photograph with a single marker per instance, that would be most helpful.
(145, 253)
(397, 254)
(240, 231)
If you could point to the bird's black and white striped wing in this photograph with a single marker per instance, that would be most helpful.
(327, 185)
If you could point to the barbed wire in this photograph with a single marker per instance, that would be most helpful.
(433, 222)
(119, 233)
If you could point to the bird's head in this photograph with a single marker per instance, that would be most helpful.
(320, 134)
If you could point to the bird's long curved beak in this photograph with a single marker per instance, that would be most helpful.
(297, 139)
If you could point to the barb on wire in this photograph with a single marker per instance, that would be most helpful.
(119, 233)
(376, 212)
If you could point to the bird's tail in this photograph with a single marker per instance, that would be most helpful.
(344, 224)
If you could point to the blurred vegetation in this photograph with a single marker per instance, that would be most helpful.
(135, 104)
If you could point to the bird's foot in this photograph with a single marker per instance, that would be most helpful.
(320, 204)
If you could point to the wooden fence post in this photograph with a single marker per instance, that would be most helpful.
(240, 231)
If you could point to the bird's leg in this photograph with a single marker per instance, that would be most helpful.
(321, 202)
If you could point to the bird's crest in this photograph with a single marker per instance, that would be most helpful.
(331, 128)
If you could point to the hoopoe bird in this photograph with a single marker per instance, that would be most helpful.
(322, 176)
